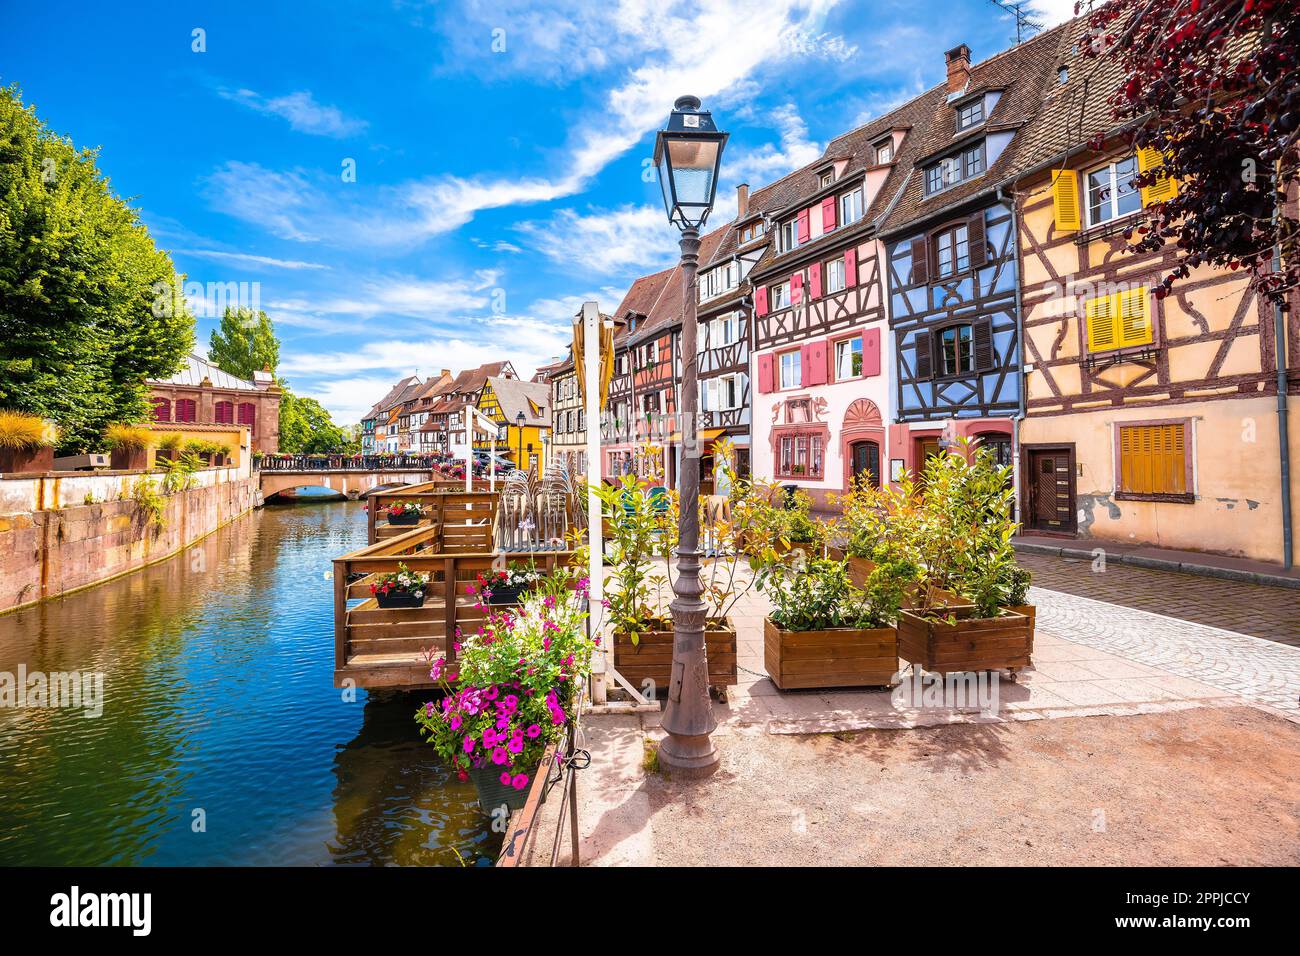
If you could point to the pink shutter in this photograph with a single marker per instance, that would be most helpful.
(871, 352)
(765, 368)
(760, 300)
(796, 288)
(812, 363)
(803, 226)
(815, 281)
(850, 268)
(828, 213)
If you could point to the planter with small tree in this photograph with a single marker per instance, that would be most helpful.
(26, 442)
(169, 447)
(129, 445)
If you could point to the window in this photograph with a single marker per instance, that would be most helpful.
(225, 412)
(781, 296)
(1063, 75)
(1153, 459)
(751, 232)
(1111, 192)
(719, 280)
(954, 169)
(835, 276)
(789, 235)
(956, 350)
(885, 152)
(1119, 320)
(951, 252)
(800, 455)
(724, 330)
(826, 179)
(162, 410)
(970, 114)
(848, 358)
(719, 394)
(186, 410)
(851, 206)
(791, 371)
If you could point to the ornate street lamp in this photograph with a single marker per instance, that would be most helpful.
(519, 424)
(688, 154)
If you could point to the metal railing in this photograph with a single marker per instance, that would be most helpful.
(349, 462)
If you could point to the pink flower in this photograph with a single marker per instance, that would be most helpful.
(455, 721)
(520, 781)
(469, 745)
(533, 730)
(505, 778)
(516, 745)
(499, 756)
(489, 739)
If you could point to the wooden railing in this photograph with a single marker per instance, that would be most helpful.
(346, 462)
(464, 520)
(394, 647)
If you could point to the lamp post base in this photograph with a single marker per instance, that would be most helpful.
(690, 758)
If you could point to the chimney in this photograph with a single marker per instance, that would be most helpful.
(742, 200)
(958, 68)
(445, 372)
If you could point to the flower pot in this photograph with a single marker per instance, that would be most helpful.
(838, 657)
(1029, 611)
(651, 658)
(859, 570)
(493, 794)
(129, 459)
(400, 599)
(506, 593)
(164, 454)
(15, 460)
(404, 519)
(967, 644)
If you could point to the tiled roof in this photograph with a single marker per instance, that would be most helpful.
(471, 380)
(642, 295)
(196, 369)
(514, 395)
(667, 310)
(1021, 74)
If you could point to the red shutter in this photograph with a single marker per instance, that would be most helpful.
(871, 352)
(765, 368)
(225, 413)
(828, 213)
(850, 268)
(803, 226)
(760, 300)
(813, 363)
(796, 288)
(920, 261)
(815, 281)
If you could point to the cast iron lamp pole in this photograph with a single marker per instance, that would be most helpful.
(519, 424)
(688, 154)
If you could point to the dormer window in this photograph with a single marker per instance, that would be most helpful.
(826, 178)
(970, 114)
(951, 170)
(884, 152)
(751, 232)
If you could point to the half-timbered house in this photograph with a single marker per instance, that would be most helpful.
(621, 436)
(950, 258)
(1148, 419)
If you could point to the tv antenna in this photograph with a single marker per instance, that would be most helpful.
(1026, 26)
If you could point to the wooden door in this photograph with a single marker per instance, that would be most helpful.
(866, 460)
(1049, 482)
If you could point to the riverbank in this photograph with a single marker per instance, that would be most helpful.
(62, 543)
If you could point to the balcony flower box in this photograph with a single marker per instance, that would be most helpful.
(836, 657)
(404, 513)
(402, 588)
(963, 642)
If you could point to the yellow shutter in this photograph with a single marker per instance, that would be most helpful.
(1134, 311)
(1153, 459)
(1101, 314)
(1065, 200)
(1161, 189)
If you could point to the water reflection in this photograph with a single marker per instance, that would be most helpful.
(222, 739)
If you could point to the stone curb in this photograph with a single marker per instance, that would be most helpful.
(1160, 564)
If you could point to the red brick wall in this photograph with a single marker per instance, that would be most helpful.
(44, 553)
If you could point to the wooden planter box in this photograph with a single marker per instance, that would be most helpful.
(1028, 611)
(841, 657)
(651, 658)
(129, 459)
(968, 644)
(860, 570)
(19, 460)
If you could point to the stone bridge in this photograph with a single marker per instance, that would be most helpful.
(351, 482)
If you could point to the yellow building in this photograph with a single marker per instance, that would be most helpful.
(1148, 419)
(522, 413)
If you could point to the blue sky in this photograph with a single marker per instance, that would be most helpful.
(498, 148)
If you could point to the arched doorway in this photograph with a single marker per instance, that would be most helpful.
(862, 442)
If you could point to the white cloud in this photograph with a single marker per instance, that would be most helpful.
(301, 110)
(771, 162)
(669, 50)
(605, 241)
(249, 259)
(1050, 12)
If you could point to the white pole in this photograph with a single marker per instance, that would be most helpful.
(591, 330)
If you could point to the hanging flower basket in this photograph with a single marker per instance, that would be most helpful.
(497, 787)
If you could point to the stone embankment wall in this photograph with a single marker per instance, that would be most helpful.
(45, 552)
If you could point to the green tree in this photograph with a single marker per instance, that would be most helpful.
(245, 343)
(89, 306)
(306, 428)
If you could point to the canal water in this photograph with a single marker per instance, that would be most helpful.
(222, 739)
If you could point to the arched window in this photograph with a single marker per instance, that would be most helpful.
(186, 410)
(225, 413)
(162, 410)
